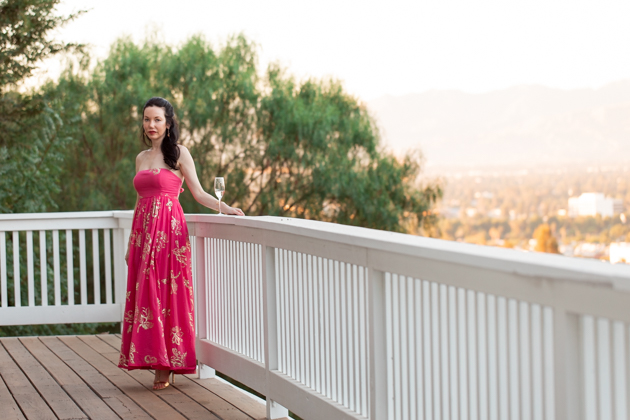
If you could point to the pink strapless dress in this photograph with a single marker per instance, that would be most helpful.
(159, 328)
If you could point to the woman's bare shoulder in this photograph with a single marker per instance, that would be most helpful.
(183, 151)
(141, 155)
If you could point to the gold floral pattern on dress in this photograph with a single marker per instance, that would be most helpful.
(122, 360)
(145, 319)
(135, 238)
(129, 320)
(150, 359)
(147, 245)
(178, 358)
(166, 312)
(128, 294)
(173, 287)
(155, 207)
(169, 204)
(176, 335)
(155, 171)
(161, 239)
(180, 253)
(176, 226)
(132, 350)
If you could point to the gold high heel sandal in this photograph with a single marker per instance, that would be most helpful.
(165, 383)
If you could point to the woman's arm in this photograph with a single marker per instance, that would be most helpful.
(187, 166)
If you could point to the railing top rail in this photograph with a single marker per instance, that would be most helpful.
(530, 264)
(57, 220)
(527, 264)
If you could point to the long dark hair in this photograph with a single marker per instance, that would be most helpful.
(169, 144)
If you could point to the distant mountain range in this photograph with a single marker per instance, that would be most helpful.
(522, 125)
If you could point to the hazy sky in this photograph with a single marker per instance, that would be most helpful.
(392, 47)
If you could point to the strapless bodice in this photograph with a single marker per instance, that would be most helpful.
(160, 181)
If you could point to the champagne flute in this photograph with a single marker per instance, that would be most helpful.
(219, 190)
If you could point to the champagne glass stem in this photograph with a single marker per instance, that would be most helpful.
(220, 207)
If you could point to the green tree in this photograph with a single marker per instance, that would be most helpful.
(286, 147)
(30, 146)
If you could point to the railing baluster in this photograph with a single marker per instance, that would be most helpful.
(410, 333)
(435, 350)
(43, 268)
(401, 366)
(602, 341)
(16, 269)
(108, 265)
(619, 372)
(426, 349)
(503, 366)
(249, 299)
(379, 341)
(96, 267)
(332, 350)
(472, 357)
(357, 344)
(56, 268)
(524, 350)
(514, 359)
(82, 267)
(537, 358)
(346, 348)
(3, 269)
(301, 321)
(363, 317)
(30, 268)
(70, 267)
(453, 352)
(493, 372)
(444, 351)
(482, 359)
(463, 351)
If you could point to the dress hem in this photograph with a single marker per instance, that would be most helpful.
(178, 371)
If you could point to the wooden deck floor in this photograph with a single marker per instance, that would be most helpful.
(76, 377)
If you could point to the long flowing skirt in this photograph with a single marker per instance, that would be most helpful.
(159, 329)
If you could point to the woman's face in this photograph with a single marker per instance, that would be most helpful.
(154, 122)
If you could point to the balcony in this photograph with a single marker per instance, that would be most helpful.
(326, 321)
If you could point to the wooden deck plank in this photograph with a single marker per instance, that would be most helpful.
(61, 404)
(224, 391)
(90, 403)
(10, 408)
(154, 404)
(122, 404)
(29, 400)
(105, 344)
(228, 393)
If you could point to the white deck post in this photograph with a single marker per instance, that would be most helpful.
(568, 362)
(377, 341)
(274, 410)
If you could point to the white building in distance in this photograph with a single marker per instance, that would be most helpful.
(593, 204)
(619, 252)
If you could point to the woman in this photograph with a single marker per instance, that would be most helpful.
(158, 329)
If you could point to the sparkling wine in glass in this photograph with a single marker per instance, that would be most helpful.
(219, 189)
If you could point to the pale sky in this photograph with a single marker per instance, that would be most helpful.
(391, 47)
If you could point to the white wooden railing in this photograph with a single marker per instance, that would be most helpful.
(346, 323)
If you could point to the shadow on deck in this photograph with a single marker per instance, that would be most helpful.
(76, 377)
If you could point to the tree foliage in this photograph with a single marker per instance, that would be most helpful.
(286, 147)
(30, 147)
(545, 241)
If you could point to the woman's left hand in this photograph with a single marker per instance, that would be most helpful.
(235, 211)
